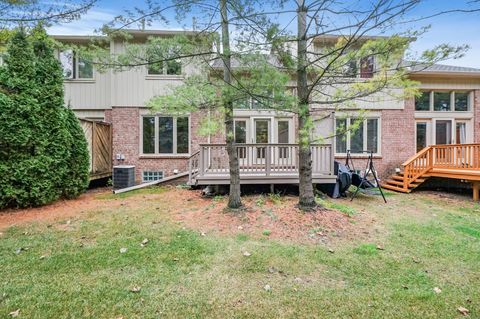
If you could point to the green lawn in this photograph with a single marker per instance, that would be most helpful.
(426, 241)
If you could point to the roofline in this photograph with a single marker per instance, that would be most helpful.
(133, 32)
(471, 74)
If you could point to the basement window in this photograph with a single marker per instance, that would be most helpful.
(150, 176)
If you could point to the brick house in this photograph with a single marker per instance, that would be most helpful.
(448, 112)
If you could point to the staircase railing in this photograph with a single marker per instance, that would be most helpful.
(193, 163)
(416, 166)
(449, 156)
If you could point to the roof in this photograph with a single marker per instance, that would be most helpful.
(441, 69)
(133, 32)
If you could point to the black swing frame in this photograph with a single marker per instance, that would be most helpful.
(368, 168)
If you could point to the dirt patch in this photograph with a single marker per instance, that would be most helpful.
(58, 210)
(263, 217)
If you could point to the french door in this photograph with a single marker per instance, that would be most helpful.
(441, 131)
(261, 135)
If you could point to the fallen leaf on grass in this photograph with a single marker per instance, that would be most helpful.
(437, 290)
(144, 242)
(380, 247)
(135, 289)
(246, 254)
(463, 311)
(14, 313)
(123, 250)
(267, 288)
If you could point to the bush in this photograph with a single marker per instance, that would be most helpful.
(77, 174)
(42, 155)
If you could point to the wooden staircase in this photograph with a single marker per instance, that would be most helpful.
(396, 183)
(457, 161)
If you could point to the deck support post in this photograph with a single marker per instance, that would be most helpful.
(272, 188)
(476, 190)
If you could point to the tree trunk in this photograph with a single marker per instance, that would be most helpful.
(234, 200)
(306, 195)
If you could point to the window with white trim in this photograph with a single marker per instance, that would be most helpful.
(74, 66)
(357, 135)
(165, 135)
(444, 101)
(150, 176)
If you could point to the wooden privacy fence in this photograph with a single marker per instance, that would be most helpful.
(99, 139)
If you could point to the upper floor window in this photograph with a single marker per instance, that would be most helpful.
(357, 135)
(172, 67)
(363, 68)
(441, 101)
(165, 135)
(367, 66)
(74, 66)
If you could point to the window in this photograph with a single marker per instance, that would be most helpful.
(165, 135)
(422, 102)
(172, 67)
(357, 135)
(341, 138)
(421, 136)
(441, 101)
(149, 176)
(148, 134)
(240, 131)
(283, 138)
(75, 67)
(367, 67)
(462, 101)
(461, 132)
(241, 137)
(351, 69)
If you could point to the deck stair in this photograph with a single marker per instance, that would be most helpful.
(455, 161)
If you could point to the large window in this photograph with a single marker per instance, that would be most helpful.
(165, 135)
(422, 102)
(357, 135)
(443, 101)
(74, 66)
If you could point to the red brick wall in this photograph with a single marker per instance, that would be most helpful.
(398, 140)
(126, 141)
(476, 119)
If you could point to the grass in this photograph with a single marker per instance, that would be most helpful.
(184, 274)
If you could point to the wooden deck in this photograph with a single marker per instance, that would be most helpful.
(259, 164)
(454, 161)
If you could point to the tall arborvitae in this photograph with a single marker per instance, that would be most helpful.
(35, 140)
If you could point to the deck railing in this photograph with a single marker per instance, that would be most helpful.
(449, 156)
(260, 159)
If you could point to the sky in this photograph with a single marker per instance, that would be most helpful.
(454, 28)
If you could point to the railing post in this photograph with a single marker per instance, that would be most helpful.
(201, 162)
(268, 160)
(406, 179)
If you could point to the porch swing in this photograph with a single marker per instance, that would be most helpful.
(362, 181)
